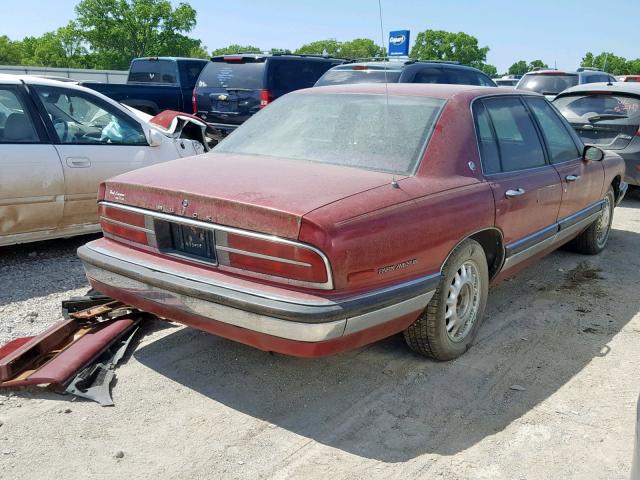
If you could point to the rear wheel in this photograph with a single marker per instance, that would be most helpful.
(447, 327)
(594, 239)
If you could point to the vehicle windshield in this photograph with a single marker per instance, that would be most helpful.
(548, 84)
(242, 75)
(342, 76)
(605, 106)
(366, 131)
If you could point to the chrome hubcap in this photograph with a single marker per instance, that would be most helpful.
(602, 227)
(462, 301)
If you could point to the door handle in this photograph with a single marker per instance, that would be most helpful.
(78, 162)
(514, 193)
(572, 178)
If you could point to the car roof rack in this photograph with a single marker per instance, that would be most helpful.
(276, 54)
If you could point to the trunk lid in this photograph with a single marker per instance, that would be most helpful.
(262, 194)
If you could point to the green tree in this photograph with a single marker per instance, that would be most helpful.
(607, 61)
(120, 30)
(537, 64)
(235, 48)
(353, 49)
(489, 69)
(10, 53)
(329, 47)
(518, 68)
(442, 45)
(361, 48)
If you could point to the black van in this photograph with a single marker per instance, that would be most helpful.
(231, 88)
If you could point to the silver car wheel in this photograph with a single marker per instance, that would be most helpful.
(463, 301)
(603, 223)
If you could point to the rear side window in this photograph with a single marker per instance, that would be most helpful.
(15, 123)
(289, 75)
(236, 74)
(559, 141)
(340, 76)
(516, 138)
(154, 71)
(487, 141)
(190, 72)
(456, 76)
(548, 84)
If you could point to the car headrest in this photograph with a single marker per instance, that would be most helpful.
(18, 128)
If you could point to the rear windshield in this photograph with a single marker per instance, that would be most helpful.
(605, 106)
(153, 71)
(455, 76)
(548, 84)
(342, 76)
(246, 75)
(357, 130)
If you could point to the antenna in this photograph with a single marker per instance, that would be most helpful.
(394, 183)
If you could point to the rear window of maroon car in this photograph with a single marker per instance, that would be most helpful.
(373, 132)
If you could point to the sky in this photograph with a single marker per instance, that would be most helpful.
(558, 32)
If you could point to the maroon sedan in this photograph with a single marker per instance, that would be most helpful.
(342, 215)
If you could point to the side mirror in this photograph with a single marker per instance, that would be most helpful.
(154, 137)
(593, 154)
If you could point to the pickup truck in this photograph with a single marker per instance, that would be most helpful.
(156, 84)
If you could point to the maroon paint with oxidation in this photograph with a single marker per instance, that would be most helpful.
(354, 216)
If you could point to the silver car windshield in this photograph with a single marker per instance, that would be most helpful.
(373, 132)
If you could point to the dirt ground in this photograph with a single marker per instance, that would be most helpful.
(548, 391)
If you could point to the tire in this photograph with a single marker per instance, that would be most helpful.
(445, 331)
(594, 239)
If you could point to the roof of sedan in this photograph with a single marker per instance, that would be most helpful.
(8, 78)
(434, 90)
(613, 87)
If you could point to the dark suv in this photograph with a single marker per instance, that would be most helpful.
(405, 71)
(231, 88)
(551, 82)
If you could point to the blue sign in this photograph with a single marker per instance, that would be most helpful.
(399, 43)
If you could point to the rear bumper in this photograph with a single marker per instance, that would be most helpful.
(284, 323)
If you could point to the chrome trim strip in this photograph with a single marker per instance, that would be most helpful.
(378, 317)
(264, 257)
(127, 225)
(328, 285)
(562, 234)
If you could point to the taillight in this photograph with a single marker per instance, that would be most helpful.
(193, 102)
(638, 132)
(273, 258)
(265, 98)
(122, 224)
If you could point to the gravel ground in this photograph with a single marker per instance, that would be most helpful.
(548, 391)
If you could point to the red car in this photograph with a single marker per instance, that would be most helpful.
(341, 215)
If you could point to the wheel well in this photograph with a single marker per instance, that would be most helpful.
(491, 241)
(615, 183)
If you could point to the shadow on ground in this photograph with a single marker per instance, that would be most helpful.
(41, 268)
(386, 403)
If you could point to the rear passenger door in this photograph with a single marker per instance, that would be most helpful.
(582, 181)
(525, 187)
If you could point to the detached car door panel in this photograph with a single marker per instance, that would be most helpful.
(95, 142)
(31, 176)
